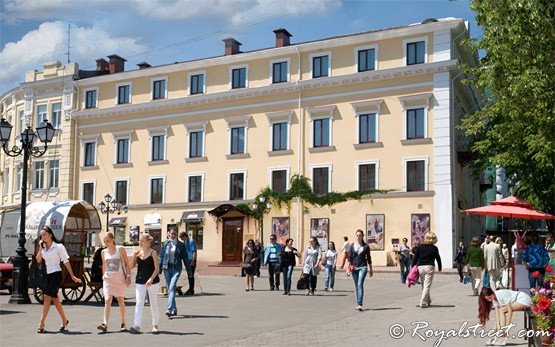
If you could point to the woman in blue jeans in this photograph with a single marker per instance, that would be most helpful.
(360, 264)
(173, 256)
(329, 262)
(288, 262)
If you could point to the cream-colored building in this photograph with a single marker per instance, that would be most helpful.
(370, 110)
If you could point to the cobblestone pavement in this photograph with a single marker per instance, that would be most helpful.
(224, 314)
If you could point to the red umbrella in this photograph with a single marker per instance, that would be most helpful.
(510, 207)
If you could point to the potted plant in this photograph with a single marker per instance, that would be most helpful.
(543, 307)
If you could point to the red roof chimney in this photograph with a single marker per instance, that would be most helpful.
(101, 64)
(231, 46)
(143, 65)
(117, 63)
(282, 37)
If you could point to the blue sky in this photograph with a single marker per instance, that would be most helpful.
(166, 31)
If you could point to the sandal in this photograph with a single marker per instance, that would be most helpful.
(103, 327)
(63, 328)
(41, 331)
(122, 327)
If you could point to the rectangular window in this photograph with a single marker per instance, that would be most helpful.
(236, 186)
(195, 229)
(366, 60)
(21, 124)
(38, 179)
(18, 178)
(90, 99)
(56, 118)
(415, 52)
(158, 147)
(41, 114)
(279, 72)
(54, 174)
(237, 140)
(197, 84)
(195, 144)
(415, 176)
(156, 190)
(367, 176)
(320, 177)
(367, 128)
(239, 78)
(415, 123)
(320, 66)
(195, 189)
(124, 94)
(279, 136)
(122, 151)
(279, 180)
(121, 192)
(90, 148)
(6, 182)
(321, 132)
(159, 89)
(88, 193)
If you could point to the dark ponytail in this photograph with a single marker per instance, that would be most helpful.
(49, 230)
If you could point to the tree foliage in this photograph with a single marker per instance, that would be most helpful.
(516, 126)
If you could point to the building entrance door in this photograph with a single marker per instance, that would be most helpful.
(232, 240)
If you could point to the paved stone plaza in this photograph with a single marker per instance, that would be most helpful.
(225, 315)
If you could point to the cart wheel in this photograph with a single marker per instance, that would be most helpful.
(75, 294)
(39, 295)
(99, 295)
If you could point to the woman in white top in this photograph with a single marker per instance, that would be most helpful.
(53, 253)
(311, 267)
(115, 278)
(329, 262)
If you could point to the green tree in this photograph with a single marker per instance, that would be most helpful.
(515, 127)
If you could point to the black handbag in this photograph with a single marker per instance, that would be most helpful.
(302, 283)
(37, 276)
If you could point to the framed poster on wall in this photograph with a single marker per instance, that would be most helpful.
(375, 228)
(134, 233)
(419, 226)
(320, 229)
(280, 227)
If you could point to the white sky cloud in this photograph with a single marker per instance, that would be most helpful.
(48, 43)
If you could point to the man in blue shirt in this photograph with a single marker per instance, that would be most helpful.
(191, 247)
(272, 255)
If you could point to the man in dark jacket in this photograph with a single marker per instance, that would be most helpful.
(173, 256)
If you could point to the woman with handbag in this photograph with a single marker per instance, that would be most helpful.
(360, 264)
(312, 258)
(116, 277)
(53, 252)
(250, 257)
(425, 257)
(288, 262)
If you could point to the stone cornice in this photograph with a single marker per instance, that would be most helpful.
(328, 82)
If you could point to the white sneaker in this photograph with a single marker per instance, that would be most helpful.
(491, 341)
(155, 329)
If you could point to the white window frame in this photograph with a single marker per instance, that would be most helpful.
(329, 166)
(88, 139)
(50, 173)
(121, 135)
(160, 78)
(56, 126)
(358, 163)
(150, 178)
(194, 73)
(231, 68)
(195, 127)
(362, 48)
(363, 108)
(279, 168)
(6, 182)
(311, 61)
(412, 102)
(237, 122)
(38, 114)
(130, 84)
(18, 178)
(187, 177)
(228, 190)
(426, 171)
(279, 117)
(82, 183)
(21, 122)
(119, 179)
(85, 98)
(412, 40)
(321, 113)
(271, 69)
(157, 131)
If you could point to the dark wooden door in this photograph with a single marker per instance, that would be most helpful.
(232, 240)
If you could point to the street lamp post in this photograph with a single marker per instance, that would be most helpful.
(261, 206)
(111, 206)
(20, 293)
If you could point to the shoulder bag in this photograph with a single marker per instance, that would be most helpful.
(37, 276)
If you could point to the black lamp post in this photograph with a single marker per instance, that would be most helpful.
(20, 293)
(111, 206)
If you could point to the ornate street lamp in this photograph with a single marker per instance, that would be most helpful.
(111, 206)
(20, 293)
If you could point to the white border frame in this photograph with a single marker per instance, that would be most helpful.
(426, 171)
(245, 176)
(88, 139)
(358, 163)
(150, 178)
(416, 107)
(120, 135)
(157, 131)
(159, 78)
(50, 160)
(319, 54)
(279, 168)
(130, 84)
(85, 98)
(195, 127)
(271, 69)
(194, 73)
(241, 66)
(36, 120)
(329, 166)
(115, 181)
(370, 106)
(52, 114)
(81, 195)
(411, 40)
(276, 118)
(237, 122)
(320, 113)
(362, 48)
(188, 175)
